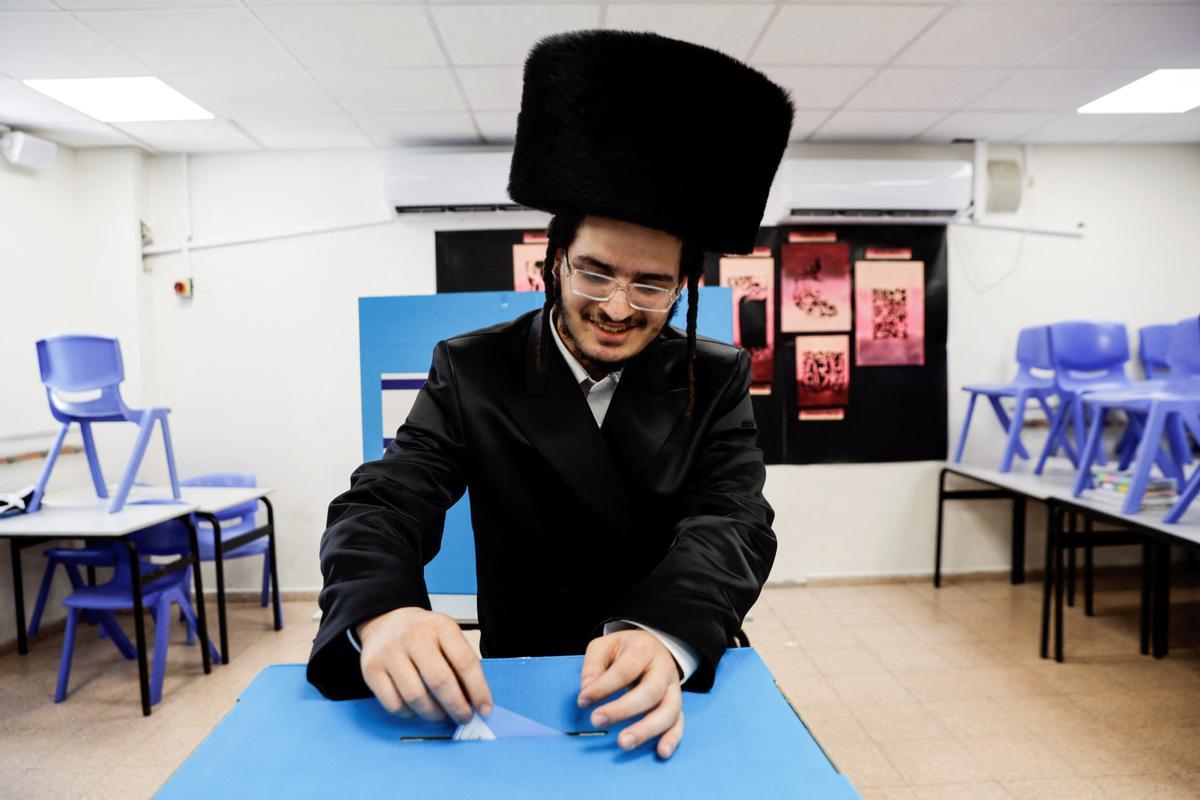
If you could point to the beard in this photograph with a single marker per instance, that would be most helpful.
(586, 360)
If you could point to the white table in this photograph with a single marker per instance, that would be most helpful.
(208, 502)
(78, 520)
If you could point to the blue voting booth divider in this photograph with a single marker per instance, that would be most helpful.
(396, 340)
(282, 739)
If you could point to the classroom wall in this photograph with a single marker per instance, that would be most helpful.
(260, 367)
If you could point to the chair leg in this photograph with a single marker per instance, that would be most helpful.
(64, 666)
(108, 622)
(1190, 490)
(135, 460)
(1147, 451)
(1083, 477)
(266, 586)
(190, 613)
(43, 593)
(1081, 428)
(962, 436)
(166, 432)
(40, 489)
(93, 459)
(1056, 432)
(1013, 445)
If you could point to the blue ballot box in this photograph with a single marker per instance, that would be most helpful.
(283, 739)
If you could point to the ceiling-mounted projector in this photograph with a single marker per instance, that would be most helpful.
(27, 151)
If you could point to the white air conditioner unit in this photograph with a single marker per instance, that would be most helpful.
(871, 191)
(423, 183)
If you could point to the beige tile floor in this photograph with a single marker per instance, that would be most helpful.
(913, 692)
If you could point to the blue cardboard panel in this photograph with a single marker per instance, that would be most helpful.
(396, 339)
(283, 739)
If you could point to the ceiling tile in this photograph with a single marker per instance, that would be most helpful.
(491, 88)
(58, 46)
(1149, 36)
(125, 5)
(1039, 89)
(22, 106)
(84, 134)
(819, 87)
(990, 126)
(498, 127)
(192, 40)
(875, 126)
(498, 35)
(27, 5)
(230, 94)
(303, 131)
(806, 122)
(388, 91)
(996, 36)
(1088, 128)
(1171, 128)
(390, 130)
(731, 29)
(925, 89)
(356, 36)
(849, 34)
(207, 136)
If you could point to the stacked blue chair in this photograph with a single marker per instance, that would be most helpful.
(1033, 352)
(168, 538)
(1151, 411)
(1153, 343)
(95, 554)
(83, 364)
(1088, 357)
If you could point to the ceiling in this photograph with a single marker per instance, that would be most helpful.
(299, 74)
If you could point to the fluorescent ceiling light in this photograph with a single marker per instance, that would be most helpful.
(1164, 91)
(121, 99)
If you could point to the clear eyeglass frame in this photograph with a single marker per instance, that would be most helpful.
(669, 295)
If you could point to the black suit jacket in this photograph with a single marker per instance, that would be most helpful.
(656, 517)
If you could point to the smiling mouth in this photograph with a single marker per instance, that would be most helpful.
(609, 328)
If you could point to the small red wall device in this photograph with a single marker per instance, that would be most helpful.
(183, 287)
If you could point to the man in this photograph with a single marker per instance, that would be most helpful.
(615, 483)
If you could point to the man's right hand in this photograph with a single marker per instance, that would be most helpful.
(418, 661)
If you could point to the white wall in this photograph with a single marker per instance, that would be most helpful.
(261, 367)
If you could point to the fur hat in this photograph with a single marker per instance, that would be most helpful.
(649, 130)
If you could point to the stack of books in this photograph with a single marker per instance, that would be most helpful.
(1112, 486)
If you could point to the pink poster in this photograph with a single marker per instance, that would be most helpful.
(822, 371)
(816, 287)
(752, 279)
(527, 267)
(890, 313)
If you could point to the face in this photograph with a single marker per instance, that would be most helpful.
(604, 335)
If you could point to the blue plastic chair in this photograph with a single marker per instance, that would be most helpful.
(95, 554)
(1151, 412)
(245, 516)
(168, 538)
(77, 364)
(1033, 352)
(1088, 357)
(1153, 343)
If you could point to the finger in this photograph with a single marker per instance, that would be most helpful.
(437, 674)
(380, 684)
(468, 668)
(670, 740)
(650, 691)
(627, 668)
(412, 689)
(600, 653)
(654, 724)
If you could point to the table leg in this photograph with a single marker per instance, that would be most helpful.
(937, 548)
(198, 583)
(1147, 596)
(275, 601)
(1058, 589)
(219, 563)
(1018, 540)
(1162, 598)
(18, 596)
(1047, 578)
(1089, 570)
(139, 622)
(1071, 529)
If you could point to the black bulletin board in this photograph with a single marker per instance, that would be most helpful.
(894, 413)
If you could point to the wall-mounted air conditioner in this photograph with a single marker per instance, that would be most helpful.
(423, 183)
(891, 191)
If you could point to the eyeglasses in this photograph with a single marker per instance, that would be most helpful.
(602, 288)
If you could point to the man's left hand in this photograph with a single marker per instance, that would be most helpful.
(636, 660)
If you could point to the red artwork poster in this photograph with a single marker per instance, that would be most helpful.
(527, 267)
(752, 279)
(816, 287)
(890, 321)
(822, 371)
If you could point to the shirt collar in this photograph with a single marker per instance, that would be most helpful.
(577, 370)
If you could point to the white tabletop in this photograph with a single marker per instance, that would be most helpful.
(1057, 482)
(206, 499)
(92, 521)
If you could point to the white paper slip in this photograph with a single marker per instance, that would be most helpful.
(501, 724)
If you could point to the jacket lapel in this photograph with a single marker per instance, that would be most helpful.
(650, 400)
(555, 417)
